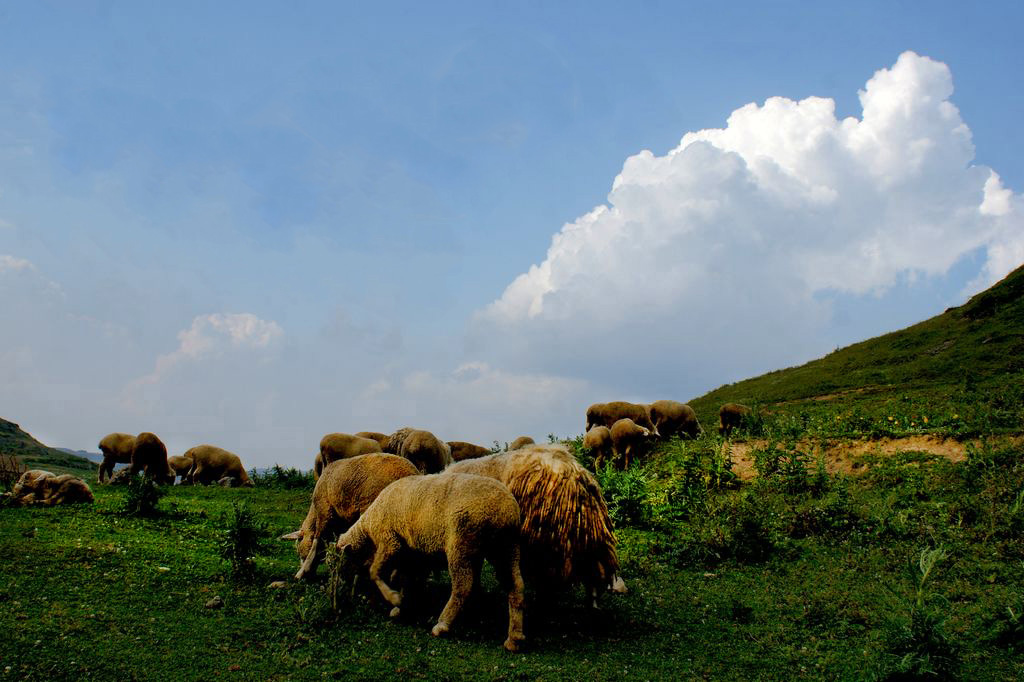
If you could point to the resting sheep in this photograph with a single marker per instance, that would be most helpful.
(150, 457)
(462, 450)
(210, 464)
(520, 443)
(43, 487)
(343, 492)
(606, 414)
(335, 446)
(671, 418)
(422, 448)
(566, 531)
(628, 440)
(463, 517)
(117, 449)
(730, 415)
(599, 441)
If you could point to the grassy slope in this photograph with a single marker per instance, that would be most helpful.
(35, 455)
(978, 346)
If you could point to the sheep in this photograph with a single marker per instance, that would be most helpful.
(381, 438)
(599, 441)
(43, 487)
(520, 443)
(606, 414)
(117, 449)
(462, 450)
(422, 448)
(335, 446)
(730, 415)
(628, 439)
(566, 531)
(343, 492)
(466, 518)
(150, 456)
(671, 417)
(210, 464)
(180, 464)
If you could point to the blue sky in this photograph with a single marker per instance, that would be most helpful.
(251, 224)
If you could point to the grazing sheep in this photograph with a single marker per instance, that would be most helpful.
(43, 487)
(599, 441)
(422, 448)
(520, 443)
(672, 418)
(117, 449)
(730, 416)
(566, 531)
(466, 518)
(381, 438)
(462, 450)
(335, 446)
(150, 456)
(180, 464)
(628, 439)
(210, 464)
(121, 477)
(343, 492)
(606, 414)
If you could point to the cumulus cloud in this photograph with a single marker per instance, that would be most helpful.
(214, 334)
(747, 232)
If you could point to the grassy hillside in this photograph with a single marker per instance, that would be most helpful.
(963, 370)
(35, 455)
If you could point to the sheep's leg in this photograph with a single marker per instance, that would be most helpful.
(312, 560)
(506, 567)
(106, 469)
(463, 574)
(386, 552)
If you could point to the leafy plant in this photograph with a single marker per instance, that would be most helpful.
(288, 479)
(142, 496)
(243, 537)
(626, 493)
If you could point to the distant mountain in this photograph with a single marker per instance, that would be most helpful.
(85, 454)
(35, 455)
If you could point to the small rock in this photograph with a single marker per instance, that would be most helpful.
(215, 603)
(710, 575)
(278, 584)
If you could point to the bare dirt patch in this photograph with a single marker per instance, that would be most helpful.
(846, 457)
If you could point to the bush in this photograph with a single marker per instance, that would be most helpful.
(11, 470)
(243, 538)
(289, 479)
(626, 493)
(141, 496)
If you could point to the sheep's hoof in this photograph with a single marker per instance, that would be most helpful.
(514, 644)
(395, 612)
(439, 629)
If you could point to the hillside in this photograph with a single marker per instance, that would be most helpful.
(35, 455)
(960, 372)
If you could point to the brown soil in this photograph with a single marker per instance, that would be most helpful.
(847, 457)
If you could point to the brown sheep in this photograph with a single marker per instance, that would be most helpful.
(422, 448)
(730, 415)
(150, 457)
(671, 418)
(462, 450)
(344, 491)
(335, 446)
(180, 464)
(210, 464)
(520, 443)
(117, 449)
(463, 517)
(606, 414)
(628, 440)
(599, 441)
(567, 533)
(381, 438)
(43, 487)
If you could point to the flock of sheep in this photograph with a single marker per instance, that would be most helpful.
(533, 511)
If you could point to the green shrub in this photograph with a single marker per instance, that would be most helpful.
(141, 497)
(243, 537)
(288, 479)
(627, 494)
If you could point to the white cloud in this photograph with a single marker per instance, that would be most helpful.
(12, 264)
(743, 233)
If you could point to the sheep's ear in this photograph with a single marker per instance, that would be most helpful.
(296, 535)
